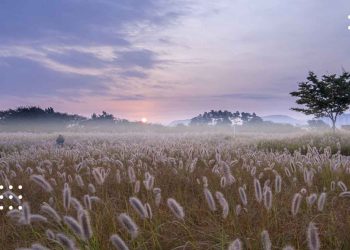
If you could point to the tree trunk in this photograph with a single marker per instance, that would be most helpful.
(333, 127)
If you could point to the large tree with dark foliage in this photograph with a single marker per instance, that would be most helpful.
(325, 97)
(225, 118)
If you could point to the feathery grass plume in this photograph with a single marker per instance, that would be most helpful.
(223, 203)
(9, 194)
(288, 247)
(118, 243)
(76, 204)
(95, 199)
(40, 180)
(278, 184)
(84, 220)
(131, 174)
(14, 214)
(243, 196)
(345, 194)
(74, 225)
(253, 171)
(261, 175)
(149, 210)
(37, 218)
(97, 176)
(138, 207)
(265, 240)
(51, 201)
(342, 186)
(310, 200)
(128, 224)
(286, 170)
(321, 201)
(205, 181)
(53, 181)
(235, 245)
(157, 199)
(148, 182)
(38, 246)
(238, 209)
(303, 191)
(91, 188)
(313, 238)
(230, 179)
(79, 180)
(46, 208)
(65, 241)
(29, 171)
(175, 208)
(26, 213)
(66, 196)
(296, 203)
(267, 198)
(210, 199)
(332, 185)
(49, 234)
(87, 202)
(137, 187)
(223, 182)
(118, 176)
(266, 184)
(257, 190)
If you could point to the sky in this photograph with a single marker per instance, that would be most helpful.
(167, 59)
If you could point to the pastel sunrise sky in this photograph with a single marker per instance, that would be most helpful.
(167, 60)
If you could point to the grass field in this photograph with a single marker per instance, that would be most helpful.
(189, 191)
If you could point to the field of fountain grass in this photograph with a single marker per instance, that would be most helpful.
(198, 191)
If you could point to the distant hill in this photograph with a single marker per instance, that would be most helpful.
(285, 119)
(344, 119)
(185, 122)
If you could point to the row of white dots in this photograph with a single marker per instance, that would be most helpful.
(10, 207)
(11, 197)
(11, 187)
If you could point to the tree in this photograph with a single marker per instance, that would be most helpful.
(326, 97)
(317, 124)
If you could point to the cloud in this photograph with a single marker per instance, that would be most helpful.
(133, 74)
(252, 96)
(24, 77)
(142, 58)
(76, 21)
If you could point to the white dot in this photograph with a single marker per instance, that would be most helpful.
(20, 197)
(1, 187)
(19, 207)
(1, 197)
(10, 197)
(348, 16)
(10, 207)
(348, 27)
(19, 186)
(10, 187)
(1, 207)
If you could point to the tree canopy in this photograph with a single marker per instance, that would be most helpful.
(325, 97)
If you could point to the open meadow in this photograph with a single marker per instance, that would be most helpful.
(175, 191)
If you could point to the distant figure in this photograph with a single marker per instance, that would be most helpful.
(60, 140)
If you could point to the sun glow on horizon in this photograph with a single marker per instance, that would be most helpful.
(144, 120)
